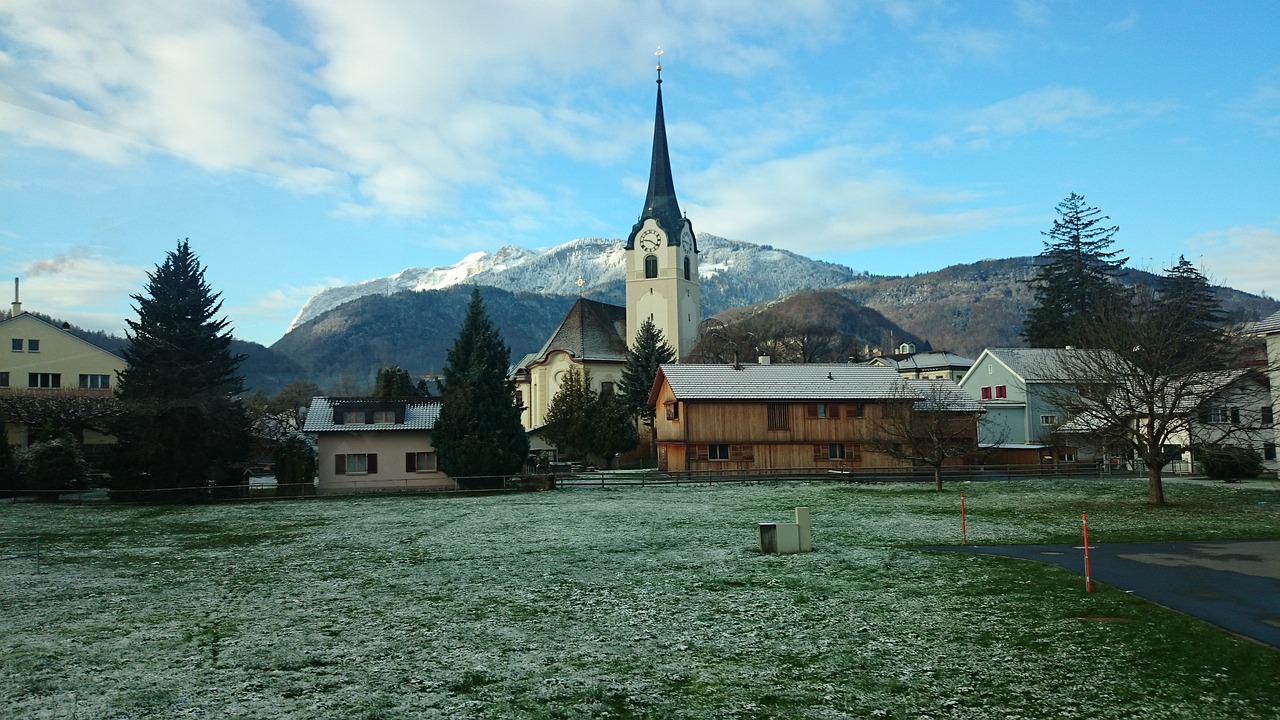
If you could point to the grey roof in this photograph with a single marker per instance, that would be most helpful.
(943, 395)
(419, 414)
(816, 381)
(591, 330)
(926, 361)
(1267, 325)
(1035, 364)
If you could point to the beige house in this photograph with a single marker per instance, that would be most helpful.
(589, 338)
(371, 445)
(1270, 330)
(41, 357)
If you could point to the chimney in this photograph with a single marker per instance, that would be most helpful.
(17, 306)
(763, 359)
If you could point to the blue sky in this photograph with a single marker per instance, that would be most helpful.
(319, 142)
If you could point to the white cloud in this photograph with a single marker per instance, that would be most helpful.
(1244, 258)
(78, 285)
(824, 202)
(1048, 108)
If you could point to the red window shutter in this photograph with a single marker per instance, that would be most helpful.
(1001, 392)
(410, 462)
(340, 464)
(986, 392)
(373, 463)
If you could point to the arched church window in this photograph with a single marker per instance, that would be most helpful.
(686, 268)
(651, 266)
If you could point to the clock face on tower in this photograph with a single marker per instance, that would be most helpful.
(686, 238)
(649, 239)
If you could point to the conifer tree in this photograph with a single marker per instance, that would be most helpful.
(568, 424)
(479, 431)
(394, 382)
(181, 425)
(649, 350)
(1075, 275)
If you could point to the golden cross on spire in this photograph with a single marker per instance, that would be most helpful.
(659, 56)
(580, 283)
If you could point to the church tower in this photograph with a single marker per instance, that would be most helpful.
(662, 255)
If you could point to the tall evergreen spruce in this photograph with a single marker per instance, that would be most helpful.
(479, 432)
(1075, 275)
(181, 431)
(649, 350)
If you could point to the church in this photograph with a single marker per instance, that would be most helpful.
(662, 285)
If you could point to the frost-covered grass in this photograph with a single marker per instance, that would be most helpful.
(639, 602)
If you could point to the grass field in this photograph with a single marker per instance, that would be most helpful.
(646, 603)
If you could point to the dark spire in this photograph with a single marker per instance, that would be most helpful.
(660, 202)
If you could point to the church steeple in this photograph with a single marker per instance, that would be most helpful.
(660, 202)
(662, 254)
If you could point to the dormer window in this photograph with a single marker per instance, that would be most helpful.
(384, 416)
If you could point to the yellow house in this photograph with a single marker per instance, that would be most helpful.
(41, 357)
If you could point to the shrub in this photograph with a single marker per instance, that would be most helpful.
(1232, 462)
(53, 467)
(295, 466)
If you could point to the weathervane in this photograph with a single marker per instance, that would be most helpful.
(659, 56)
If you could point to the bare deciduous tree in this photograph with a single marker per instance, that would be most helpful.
(929, 423)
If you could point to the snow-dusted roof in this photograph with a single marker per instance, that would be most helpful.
(591, 330)
(943, 395)
(816, 381)
(418, 414)
(1267, 325)
(926, 361)
(1035, 364)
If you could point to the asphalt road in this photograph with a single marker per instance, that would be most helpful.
(1234, 585)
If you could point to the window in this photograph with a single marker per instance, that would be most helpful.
(651, 266)
(384, 416)
(1235, 416)
(607, 386)
(420, 462)
(356, 464)
(1049, 420)
(986, 392)
(17, 344)
(1067, 456)
(854, 410)
(820, 410)
(4, 379)
(778, 416)
(1268, 451)
(1268, 418)
(673, 409)
(1213, 415)
(97, 382)
(33, 345)
(718, 452)
(353, 417)
(835, 451)
(686, 268)
(1002, 392)
(44, 380)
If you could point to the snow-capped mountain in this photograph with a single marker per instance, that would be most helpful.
(733, 273)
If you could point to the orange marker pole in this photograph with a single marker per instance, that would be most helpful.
(1084, 523)
(964, 540)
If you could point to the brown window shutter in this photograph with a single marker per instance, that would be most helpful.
(410, 462)
(340, 464)
(819, 452)
(811, 410)
(855, 452)
(701, 452)
(373, 463)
